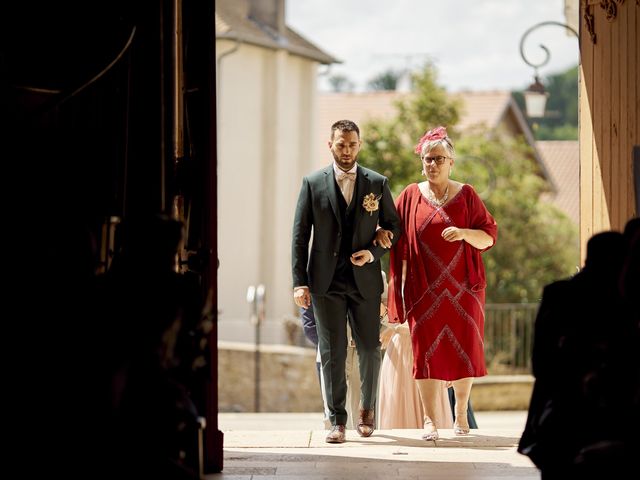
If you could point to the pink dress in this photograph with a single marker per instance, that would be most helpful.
(398, 397)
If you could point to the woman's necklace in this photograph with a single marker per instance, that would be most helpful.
(442, 200)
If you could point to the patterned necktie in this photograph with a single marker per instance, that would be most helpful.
(346, 181)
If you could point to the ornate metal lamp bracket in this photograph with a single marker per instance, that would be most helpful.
(588, 20)
(611, 12)
(611, 8)
(544, 48)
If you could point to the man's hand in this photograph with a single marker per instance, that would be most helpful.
(360, 257)
(383, 238)
(302, 297)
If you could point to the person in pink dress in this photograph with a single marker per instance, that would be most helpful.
(437, 279)
(398, 398)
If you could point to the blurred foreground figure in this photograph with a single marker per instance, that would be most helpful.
(584, 411)
(150, 313)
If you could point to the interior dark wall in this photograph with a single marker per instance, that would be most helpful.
(77, 131)
(86, 121)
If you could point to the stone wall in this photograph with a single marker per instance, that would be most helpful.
(502, 392)
(288, 379)
(289, 383)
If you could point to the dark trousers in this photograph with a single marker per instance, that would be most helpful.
(331, 316)
(471, 418)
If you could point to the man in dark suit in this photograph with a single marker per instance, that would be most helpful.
(343, 204)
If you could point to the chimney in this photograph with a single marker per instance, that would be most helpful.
(268, 12)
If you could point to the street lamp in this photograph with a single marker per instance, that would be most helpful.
(535, 97)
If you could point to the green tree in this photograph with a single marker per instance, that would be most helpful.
(560, 132)
(385, 81)
(340, 83)
(536, 243)
(388, 145)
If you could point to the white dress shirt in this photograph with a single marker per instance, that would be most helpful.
(346, 181)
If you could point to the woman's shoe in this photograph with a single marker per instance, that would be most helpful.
(431, 432)
(460, 429)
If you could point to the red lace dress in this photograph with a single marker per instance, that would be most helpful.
(444, 288)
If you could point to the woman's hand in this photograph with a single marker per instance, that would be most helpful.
(453, 234)
(383, 238)
(474, 237)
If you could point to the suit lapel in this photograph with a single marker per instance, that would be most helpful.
(332, 191)
(363, 187)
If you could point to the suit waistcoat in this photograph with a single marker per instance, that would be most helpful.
(347, 218)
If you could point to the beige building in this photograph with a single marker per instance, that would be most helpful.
(266, 90)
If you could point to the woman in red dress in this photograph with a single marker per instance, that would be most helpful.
(437, 279)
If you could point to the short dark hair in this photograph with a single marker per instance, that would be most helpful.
(345, 126)
(605, 253)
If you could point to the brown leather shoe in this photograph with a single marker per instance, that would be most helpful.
(336, 435)
(365, 423)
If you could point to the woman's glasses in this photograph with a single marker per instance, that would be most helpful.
(438, 159)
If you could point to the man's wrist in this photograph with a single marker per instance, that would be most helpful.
(371, 257)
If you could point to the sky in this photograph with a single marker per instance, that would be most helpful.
(474, 44)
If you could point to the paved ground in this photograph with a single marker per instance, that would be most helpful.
(268, 446)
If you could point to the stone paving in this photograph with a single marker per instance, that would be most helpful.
(291, 446)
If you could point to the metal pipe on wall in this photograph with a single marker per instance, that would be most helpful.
(177, 58)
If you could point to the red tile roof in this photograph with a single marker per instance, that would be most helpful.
(562, 160)
(482, 108)
(358, 107)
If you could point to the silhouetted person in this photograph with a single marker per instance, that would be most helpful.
(580, 420)
(153, 416)
(630, 278)
(630, 291)
(61, 389)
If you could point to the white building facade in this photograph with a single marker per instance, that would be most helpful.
(267, 99)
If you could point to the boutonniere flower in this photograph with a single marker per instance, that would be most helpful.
(371, 202)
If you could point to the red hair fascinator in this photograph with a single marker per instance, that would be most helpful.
(437, 133)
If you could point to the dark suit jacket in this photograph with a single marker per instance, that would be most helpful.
(318, 210)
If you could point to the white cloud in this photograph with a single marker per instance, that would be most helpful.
(474, 43)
